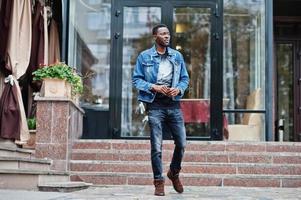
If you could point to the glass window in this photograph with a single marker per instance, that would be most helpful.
(93, 21)
(285, 82)
(89, 48)
(249, 128)
(244, 59)
(94, 2)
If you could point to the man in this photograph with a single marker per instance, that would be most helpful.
(161, 77)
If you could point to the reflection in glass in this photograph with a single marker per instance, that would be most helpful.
(244, 55)
(89, 48)
(285, 97)
(250, 128)
(137, 36)
(191, 37)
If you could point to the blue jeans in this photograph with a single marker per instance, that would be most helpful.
(172, 119)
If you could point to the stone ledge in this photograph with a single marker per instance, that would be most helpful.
(25, 171)
(146, 141)
(170, 151)
(15, 149)
(31, 160)
(63, 186)
(218, 146)
(62, 99)
(66, 184)
(187, 175)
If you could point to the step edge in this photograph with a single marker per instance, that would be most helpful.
(16, 149)
(95, 162)
(188, 175)
(70, 184)
(31, 160)
(190, 152)
(34, 172)
(114, 141)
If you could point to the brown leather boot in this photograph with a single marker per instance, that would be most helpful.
(174, 177)
(159, 187)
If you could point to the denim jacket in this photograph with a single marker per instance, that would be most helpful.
(146, 71)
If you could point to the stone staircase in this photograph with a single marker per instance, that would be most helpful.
(19, 169)
(246, 164)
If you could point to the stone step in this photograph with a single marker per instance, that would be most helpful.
(216, 163)
(190, 156)
(242, 180)
(29, 179)
(63, 186)
(219, 146)
(187, 167)
(24, 163)
(19, 169)
(9, 151)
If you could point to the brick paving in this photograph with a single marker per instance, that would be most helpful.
(146, 192)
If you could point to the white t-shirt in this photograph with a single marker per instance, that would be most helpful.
(165, 72)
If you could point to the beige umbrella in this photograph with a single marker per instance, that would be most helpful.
(19, 48)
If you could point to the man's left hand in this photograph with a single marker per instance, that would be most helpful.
(173, 92)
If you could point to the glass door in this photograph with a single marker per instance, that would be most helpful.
(288, 90)
(192, 37)
(133, 34)
(193, 26)
(137, 28)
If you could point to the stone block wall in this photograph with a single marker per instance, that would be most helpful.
(59, 123)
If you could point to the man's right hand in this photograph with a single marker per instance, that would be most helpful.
(161, 89)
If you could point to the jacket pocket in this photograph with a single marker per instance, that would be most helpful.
(148, 64)
(148, 68)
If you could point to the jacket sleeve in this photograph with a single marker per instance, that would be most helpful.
(184, 77)
(139, 77)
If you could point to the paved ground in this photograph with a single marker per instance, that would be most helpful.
(146, 192)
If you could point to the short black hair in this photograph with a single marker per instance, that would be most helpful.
(155, 28)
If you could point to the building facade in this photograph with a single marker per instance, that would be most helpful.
(242, 57)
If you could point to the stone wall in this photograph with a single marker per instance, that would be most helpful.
(59, 123)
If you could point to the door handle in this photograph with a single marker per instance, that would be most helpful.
(115, 131)
(280, 130)
(117, 13)
(216, 36)
(281, 124)
(117, 35)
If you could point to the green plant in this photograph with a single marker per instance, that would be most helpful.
(61, 71)
(31, 123)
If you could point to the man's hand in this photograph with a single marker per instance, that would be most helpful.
(173, 92)
(161, 89)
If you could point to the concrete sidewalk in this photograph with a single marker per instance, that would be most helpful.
(146, 192)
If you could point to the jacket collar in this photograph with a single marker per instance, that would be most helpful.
(155, 53)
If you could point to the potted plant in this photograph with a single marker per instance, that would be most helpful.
(31, 143)
(31, 123)
(59, 80)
